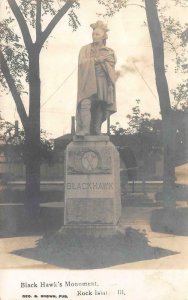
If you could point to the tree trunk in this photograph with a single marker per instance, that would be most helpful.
(32, 143)
(32, 164)
(164, 99)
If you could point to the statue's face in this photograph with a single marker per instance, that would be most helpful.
(98, 35)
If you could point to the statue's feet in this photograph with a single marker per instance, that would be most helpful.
(81, 133)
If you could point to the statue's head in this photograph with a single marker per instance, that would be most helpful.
(99, 32)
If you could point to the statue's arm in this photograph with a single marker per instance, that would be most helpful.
(110, 58)
(109, 66)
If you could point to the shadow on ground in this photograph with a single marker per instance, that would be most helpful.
(74, 251)
(14, 221)
(181, 193)
(173, 221)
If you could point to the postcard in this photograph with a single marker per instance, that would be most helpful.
(93, 150)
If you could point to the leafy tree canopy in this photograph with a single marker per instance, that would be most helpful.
(13, 142)
(14, 47)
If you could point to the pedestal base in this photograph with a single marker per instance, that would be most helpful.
(90, 231)
(92, 183)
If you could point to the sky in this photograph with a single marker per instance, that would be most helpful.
(128, 36)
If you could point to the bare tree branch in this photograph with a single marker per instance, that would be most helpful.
(158, 55)
(55, 20)
(38, 19)
(185, 36)
(22, 23)
(16, 96)
(173, 47)
(134, 4)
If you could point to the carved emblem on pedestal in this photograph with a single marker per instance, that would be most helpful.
(90, 161)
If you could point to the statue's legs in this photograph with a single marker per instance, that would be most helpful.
(97, 116)
(90, 117)
(84, 117)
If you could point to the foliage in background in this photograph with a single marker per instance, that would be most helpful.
(175, 35)
(148, 130)
(13, 143)
(181, 96)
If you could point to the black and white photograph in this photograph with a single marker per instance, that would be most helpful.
(94, 149)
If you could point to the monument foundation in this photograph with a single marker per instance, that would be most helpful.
(92, 184)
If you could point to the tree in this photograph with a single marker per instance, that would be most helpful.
(14, 143)
(138, 123)
(180, 96)
(117, 129)
(147, 130)
(174, 36)
(20, 58)
(157, 42)
(164, 100)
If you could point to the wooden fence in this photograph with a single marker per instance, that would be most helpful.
(16, 171)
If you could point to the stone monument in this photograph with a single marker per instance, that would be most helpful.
(92, 172)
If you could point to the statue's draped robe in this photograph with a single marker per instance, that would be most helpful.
(96, 81)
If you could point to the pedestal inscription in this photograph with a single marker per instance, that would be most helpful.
(100, 186)
(92, 184)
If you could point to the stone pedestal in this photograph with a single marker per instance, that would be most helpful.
(92, 183)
